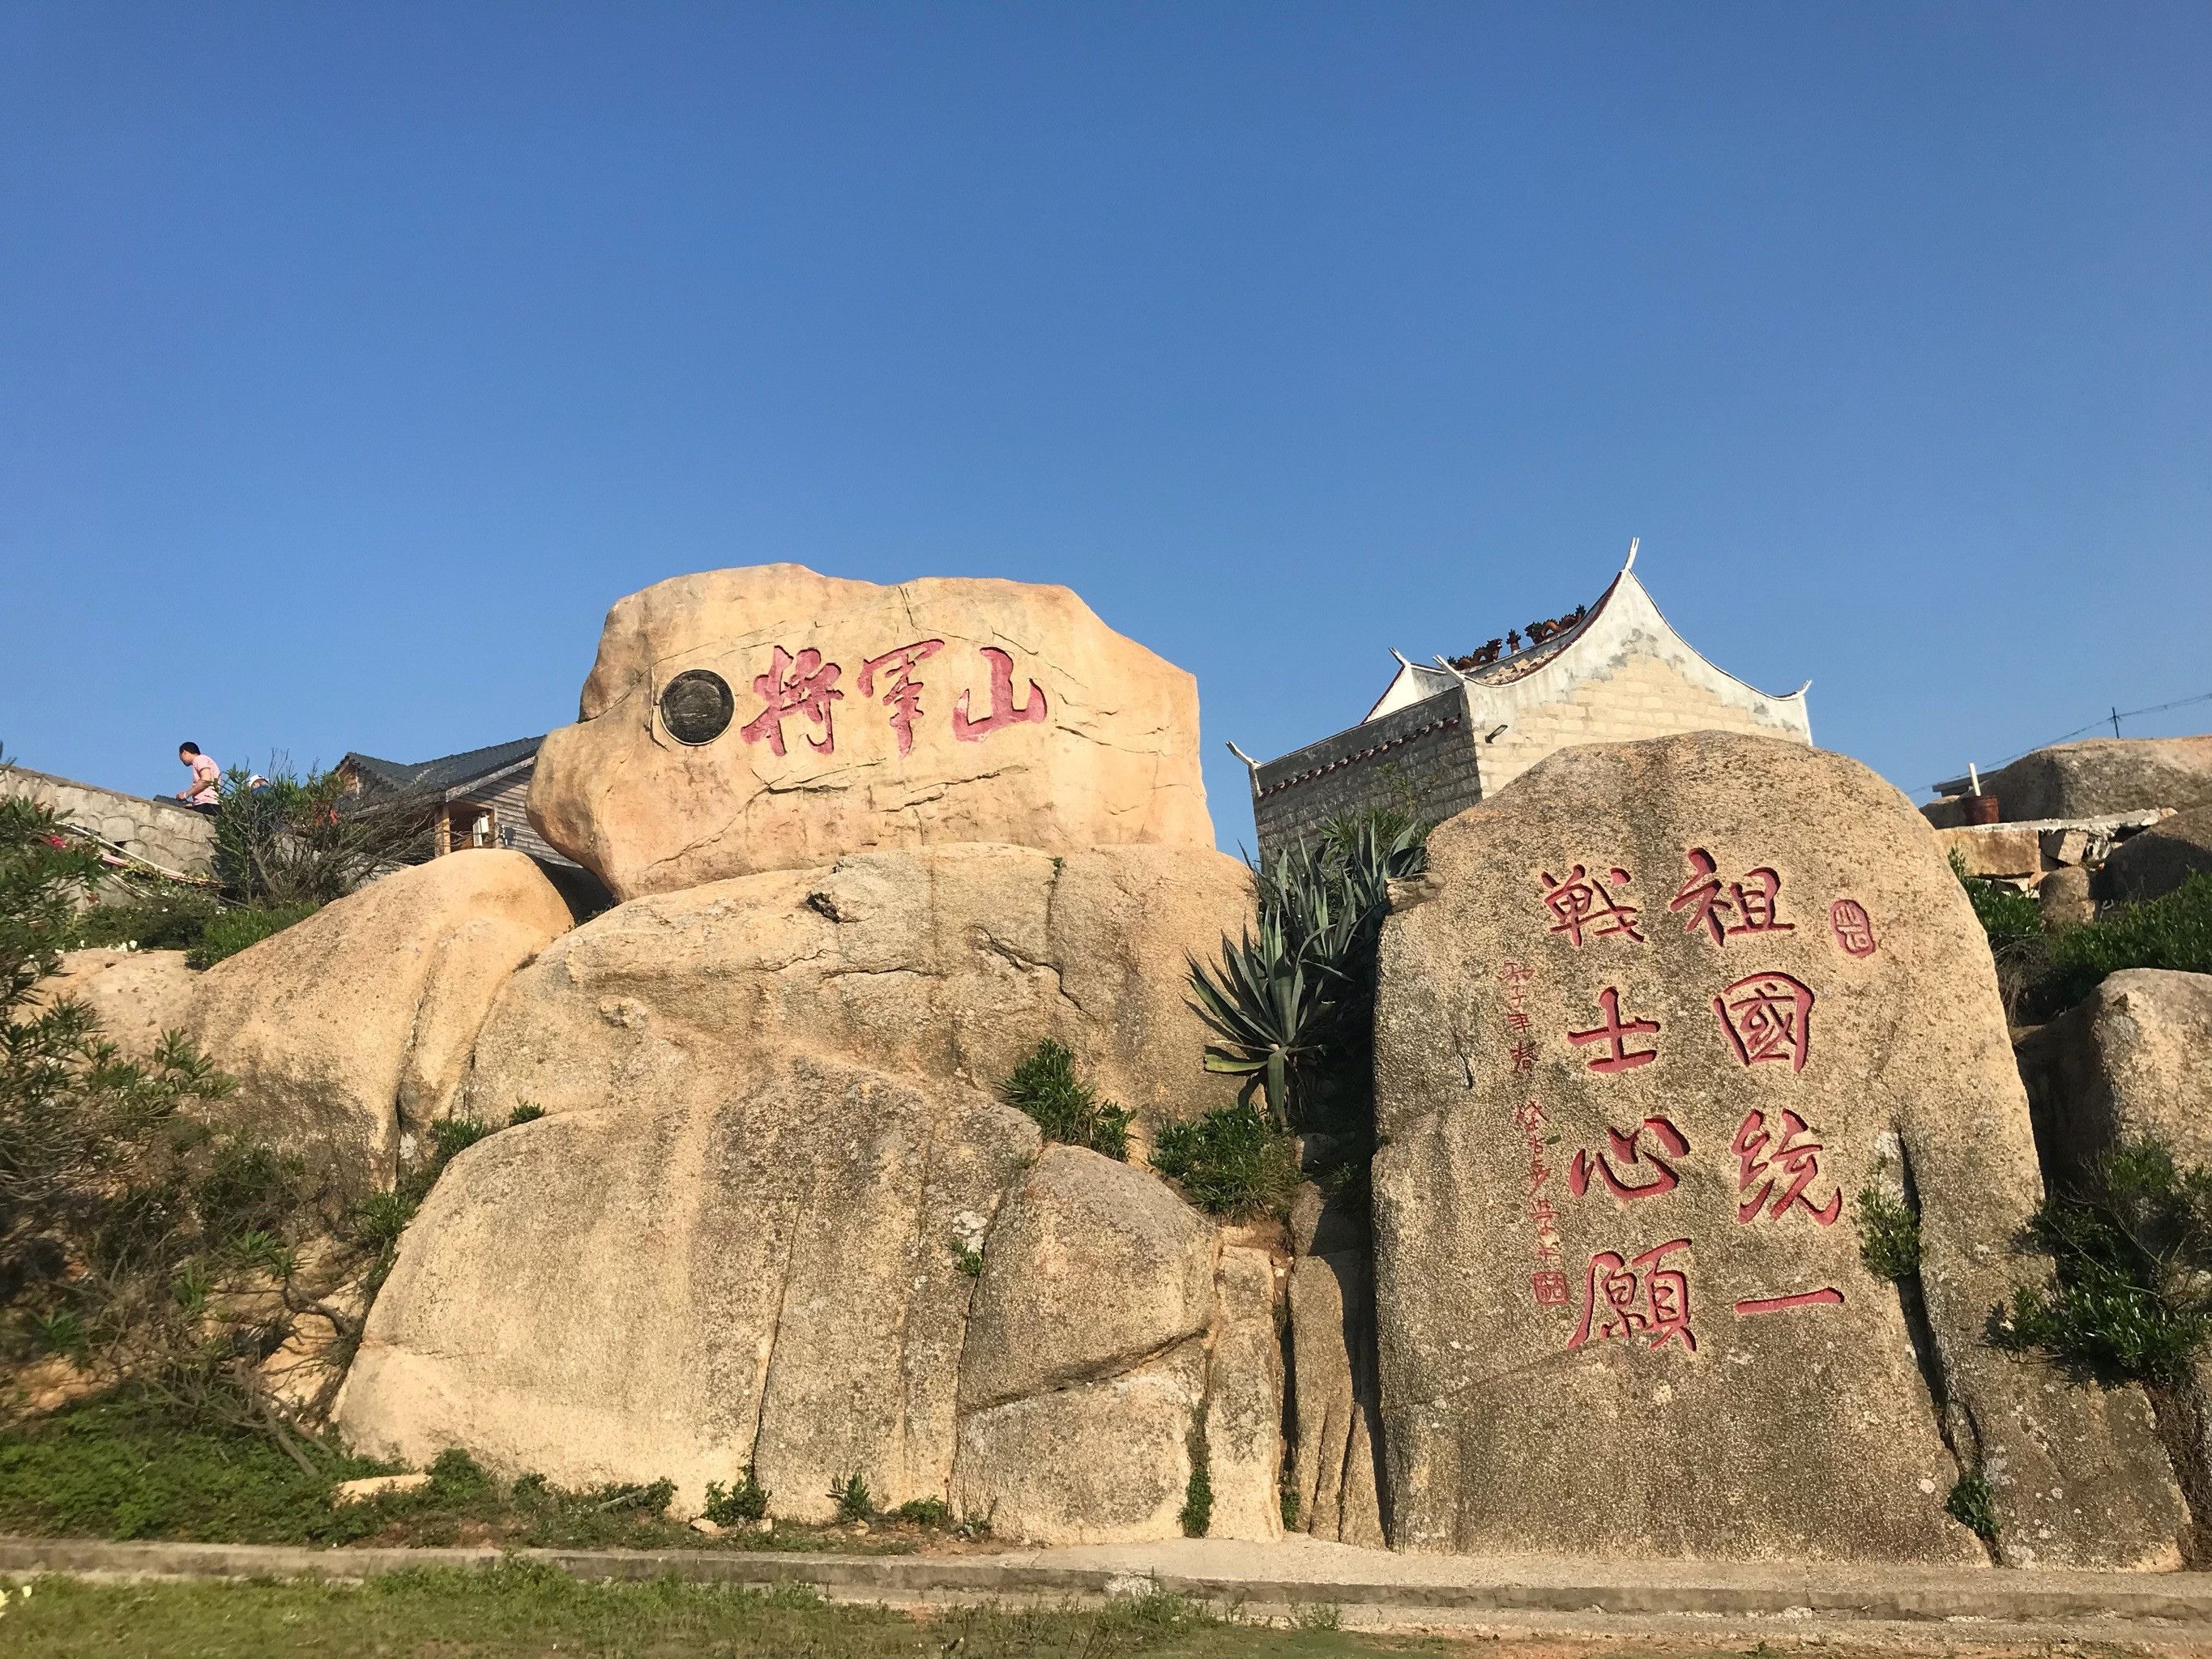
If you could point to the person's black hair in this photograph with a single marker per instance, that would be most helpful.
(188, 748)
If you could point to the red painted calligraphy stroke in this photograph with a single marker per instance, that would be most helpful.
(1823, 1298)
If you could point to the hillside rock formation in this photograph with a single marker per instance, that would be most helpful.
(945, 962)
(1650, 1026)
(350, 1030)
(769, 718)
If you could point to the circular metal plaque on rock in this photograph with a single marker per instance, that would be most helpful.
(696, 705)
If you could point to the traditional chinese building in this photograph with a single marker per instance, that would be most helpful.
(1441, 737)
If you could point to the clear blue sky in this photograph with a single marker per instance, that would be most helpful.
(353, 360)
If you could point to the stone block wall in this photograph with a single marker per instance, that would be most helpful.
(163, 832)
(1643, 696)
(1427, 747)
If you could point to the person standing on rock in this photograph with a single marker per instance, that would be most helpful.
(200, 795)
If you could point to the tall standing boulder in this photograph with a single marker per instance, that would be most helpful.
(769, 718)
(1653, 1022)
(350, 1030)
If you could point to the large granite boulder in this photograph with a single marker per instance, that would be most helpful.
(2131, 1061)
(2153, 862)
(772, 718)
(350, 1030)
(764, 1273)
(1654, 1020)
(766, 1269)
(2105, 774)
(139, 996)
(949, 963)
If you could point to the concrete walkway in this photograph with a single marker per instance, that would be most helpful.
(1371, 1586)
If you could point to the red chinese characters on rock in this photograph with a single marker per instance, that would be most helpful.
(1581, 901)
(805, 686)
(1754, 908)
(1636, 1296)
(1542, 1215)
(903, 697)
(1767, 1016)
(1852, 927)
(1614, 1032)
(793, 686)
(1794, 1159)
(1664, 1180)
(1003, 711)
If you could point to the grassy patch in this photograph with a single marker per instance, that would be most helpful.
(1230, 1162)
(129, 1467)
(1066, 1108)
(522, 1609)
(229, 932)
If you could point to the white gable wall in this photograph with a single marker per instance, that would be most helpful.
(1625, 675)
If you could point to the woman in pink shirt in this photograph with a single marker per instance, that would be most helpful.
(205, 775)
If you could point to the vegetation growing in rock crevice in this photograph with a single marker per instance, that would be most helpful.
(1291, 1003)
(1066, 1109)
(2131, 1291)
(1232, 1163)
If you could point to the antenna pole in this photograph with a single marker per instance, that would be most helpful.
(2116, 720)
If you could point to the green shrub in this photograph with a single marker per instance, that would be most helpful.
(529, 1112)
(167, 918)
(747, 1501)
(1230, 1162)
(1971, 1505)
(2004, 911)
(1066, 1109)
(853, 1500)
(2132, 1250)
(308, 841)
(1293, 1001)
(2172, 932)
(249, 1188)
(923, 1511)
(229, 932)
(1889, 1235)
(969, 1263)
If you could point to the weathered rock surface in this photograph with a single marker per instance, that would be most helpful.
(1651, 1022)
(769, 718)
(1336, 1466)
(139, 995)
(2154, 861)
(764, 1268)
(351, 1030)
(947, 963)
(1244, 1399)
(2132, 1061)
(2065, 899)
(763, 1272)
(2105, 774)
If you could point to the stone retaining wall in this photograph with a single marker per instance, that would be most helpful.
(163, 832)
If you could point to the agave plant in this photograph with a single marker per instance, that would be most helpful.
(1292, 1003)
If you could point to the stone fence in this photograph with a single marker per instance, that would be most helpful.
(166, 833)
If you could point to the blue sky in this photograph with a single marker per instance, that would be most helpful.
(354, 360)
